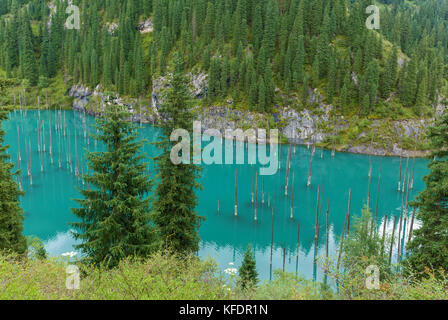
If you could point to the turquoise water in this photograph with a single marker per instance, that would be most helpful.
(224, 237)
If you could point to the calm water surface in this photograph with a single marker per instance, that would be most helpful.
(224, 237)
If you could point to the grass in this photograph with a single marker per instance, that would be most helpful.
(159, 277)
(169, 277)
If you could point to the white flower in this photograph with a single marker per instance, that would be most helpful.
(230, 263)
(70, 254)
(231, 271)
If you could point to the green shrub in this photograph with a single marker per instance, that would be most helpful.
(161, 276)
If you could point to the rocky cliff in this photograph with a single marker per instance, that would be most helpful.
(377, 137)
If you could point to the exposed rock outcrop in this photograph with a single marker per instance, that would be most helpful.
(441, 109)
(145, 26)
(300, 127)
(198, 87)
(94, 103)
(303, 127)
(111, 27)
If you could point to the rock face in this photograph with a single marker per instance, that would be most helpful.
(410, 128)
(303, 127)
(82, 97)
(299, 127)
(441, 109)
(198, 87)
(199, 84)
(145, 26)
(111, 27)
(94, 103)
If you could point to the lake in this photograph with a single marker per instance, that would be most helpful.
(48, 200)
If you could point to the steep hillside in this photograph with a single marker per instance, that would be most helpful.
(258, 56)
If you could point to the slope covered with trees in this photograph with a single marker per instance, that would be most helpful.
(260, 53)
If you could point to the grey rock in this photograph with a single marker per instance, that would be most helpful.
(145, 26)
(302, 127)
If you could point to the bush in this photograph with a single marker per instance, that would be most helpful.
(36, 248)
(161, 276)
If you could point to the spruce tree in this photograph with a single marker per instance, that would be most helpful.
(323, 48)
(429, 246)
(299, 61)
(253, 90)
(11, 46)
(409, 89)
(332, 79)
(257, 33)
(270, 28)
(175, 200)
(114, 211)
(372, 77)
(365, 103)
(270, 87)
(261, 95)
(28, 60)
(420, 99)
(11, 215)
(389, 75)
(248, 271)
(343, 100)
(315, 72)
(305, 90)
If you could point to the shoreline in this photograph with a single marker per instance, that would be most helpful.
(359, 149)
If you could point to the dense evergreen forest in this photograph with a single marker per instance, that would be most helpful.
(261, 53)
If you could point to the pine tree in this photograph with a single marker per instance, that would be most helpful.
(43, 69)
(28, 59)
(420, 99)
(11, 46)
(357, 63)
(261, 63)
(429, 246)
(372, 78)
(140, 71)
(214, 86)
(323, 51)
(253, 91)
(343, 100)
(248, 272)
(270, 87)
(389, 75)
(270, 29)
(261, 95)
(93, 69)
(11, 215)
(409, 88)
(174, 208)
(257, 33)
(299, 61)
(348, 85)
(107, 63)
(315, 72)
(237, 27)
(225, 71)
(208, 24)
(114, 211)
(332, 80)
(365, 103)
(305, 90)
